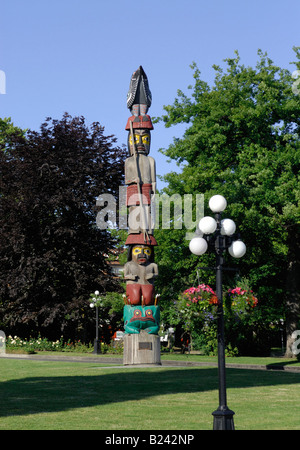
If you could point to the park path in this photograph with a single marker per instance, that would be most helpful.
(118, 362)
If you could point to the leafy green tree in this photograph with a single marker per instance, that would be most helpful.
(242, 141)
(52, 253)
(7, 129)
(110, 312)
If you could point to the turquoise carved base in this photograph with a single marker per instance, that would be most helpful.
(137, 318)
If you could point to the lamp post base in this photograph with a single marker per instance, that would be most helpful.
(223, 419)
(97, 347)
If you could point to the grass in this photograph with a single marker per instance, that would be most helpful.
(234, 359)
(176, 356)
(43, 395)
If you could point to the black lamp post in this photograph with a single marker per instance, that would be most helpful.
(95, 304)
(217, 235)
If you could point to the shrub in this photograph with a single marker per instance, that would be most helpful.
(32, 345)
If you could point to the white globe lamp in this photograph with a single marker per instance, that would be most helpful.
(198, 246)
(227, 227)
(237, 249)
(217, 203)
(207, 225)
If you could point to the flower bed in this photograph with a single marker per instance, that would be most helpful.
(33, 345)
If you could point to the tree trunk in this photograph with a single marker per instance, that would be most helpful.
(292, 288)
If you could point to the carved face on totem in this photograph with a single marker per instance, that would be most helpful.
(142, 140)
(141, 254)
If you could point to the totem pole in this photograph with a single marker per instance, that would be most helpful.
(141, 312)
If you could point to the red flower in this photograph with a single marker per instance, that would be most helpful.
(214, 300)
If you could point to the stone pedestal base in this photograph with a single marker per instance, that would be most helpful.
(142, 348)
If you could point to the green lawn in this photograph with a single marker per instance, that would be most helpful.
(256, 360)
(44, 395)
(176, 356)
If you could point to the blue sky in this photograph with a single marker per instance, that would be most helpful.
(77, 56)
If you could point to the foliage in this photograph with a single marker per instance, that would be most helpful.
(110, 307)
(8, 131)
(197, 305)
(240, 301)
(52, 253)
(112, 300)
(242, 141)
(206, 339)
(119, 236)
(196, 312)
(208, 342)
(241, 322)
(32, 345)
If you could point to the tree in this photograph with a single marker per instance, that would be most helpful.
(8, 129)
(52, 253)
(242, 141)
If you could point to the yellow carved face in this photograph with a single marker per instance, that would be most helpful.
(142, 139)
(141, 253)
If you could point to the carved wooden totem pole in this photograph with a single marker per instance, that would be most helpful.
(141, 312)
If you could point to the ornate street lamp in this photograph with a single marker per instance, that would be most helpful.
(95, 303)
(218, 235)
